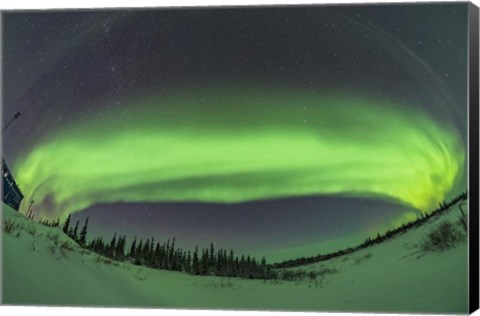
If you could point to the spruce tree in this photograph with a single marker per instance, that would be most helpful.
(163, 256)
(100, 245)
(172, 252)
(83, 233)
(204, 262)
(242, 266)
(75, 231)
(231, 263)
(263, 265)
(66, 226)
(195, 262)
(211, 259)
(138, 252)
(120, 248)
(133, 246)
(188, 263)
(248, 267)
(218, 267)
(111, 247)
(146, 250)
(152, 246)
(156, 256)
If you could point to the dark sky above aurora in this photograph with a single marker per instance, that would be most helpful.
(279, 131)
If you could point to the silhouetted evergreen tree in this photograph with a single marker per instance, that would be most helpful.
(163, 256)
(211, 259)
(75, 231)
(132, 251)
(83, 233)
(155, 260)
(152, 246)
(231, 263)
(189, 262)
(264, 269)
(195, 262)
(110, 251)
(204, 262)
(138, 252)
(145, 250)
(120, 248)
(242, 266)
(66, 225)
(171, 254)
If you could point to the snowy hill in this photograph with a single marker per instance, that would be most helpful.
(42, 266)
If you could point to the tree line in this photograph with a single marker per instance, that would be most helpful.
(73, 233)
(50, 223)
(211, 261)
(375, 240)
(167, 256)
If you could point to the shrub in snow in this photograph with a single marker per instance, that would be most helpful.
(444, 236)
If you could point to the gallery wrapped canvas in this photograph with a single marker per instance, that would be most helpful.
(285, 158)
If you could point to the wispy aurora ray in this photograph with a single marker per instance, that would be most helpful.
(244, 145)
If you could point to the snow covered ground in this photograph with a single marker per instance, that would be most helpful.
(41, 266)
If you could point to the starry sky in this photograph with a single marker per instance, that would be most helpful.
(280, 131)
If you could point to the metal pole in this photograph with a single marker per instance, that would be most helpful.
(16, 116)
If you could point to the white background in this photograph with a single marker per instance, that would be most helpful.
(49, 4)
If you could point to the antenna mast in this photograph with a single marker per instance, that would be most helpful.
(16, 116)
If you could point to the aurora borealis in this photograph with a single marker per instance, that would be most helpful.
(271, 147)
(202, 112)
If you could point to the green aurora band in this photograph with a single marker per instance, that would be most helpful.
(243, 145)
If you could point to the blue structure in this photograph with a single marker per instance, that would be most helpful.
(12, 195)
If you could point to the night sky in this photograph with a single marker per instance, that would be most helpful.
(280, 131)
